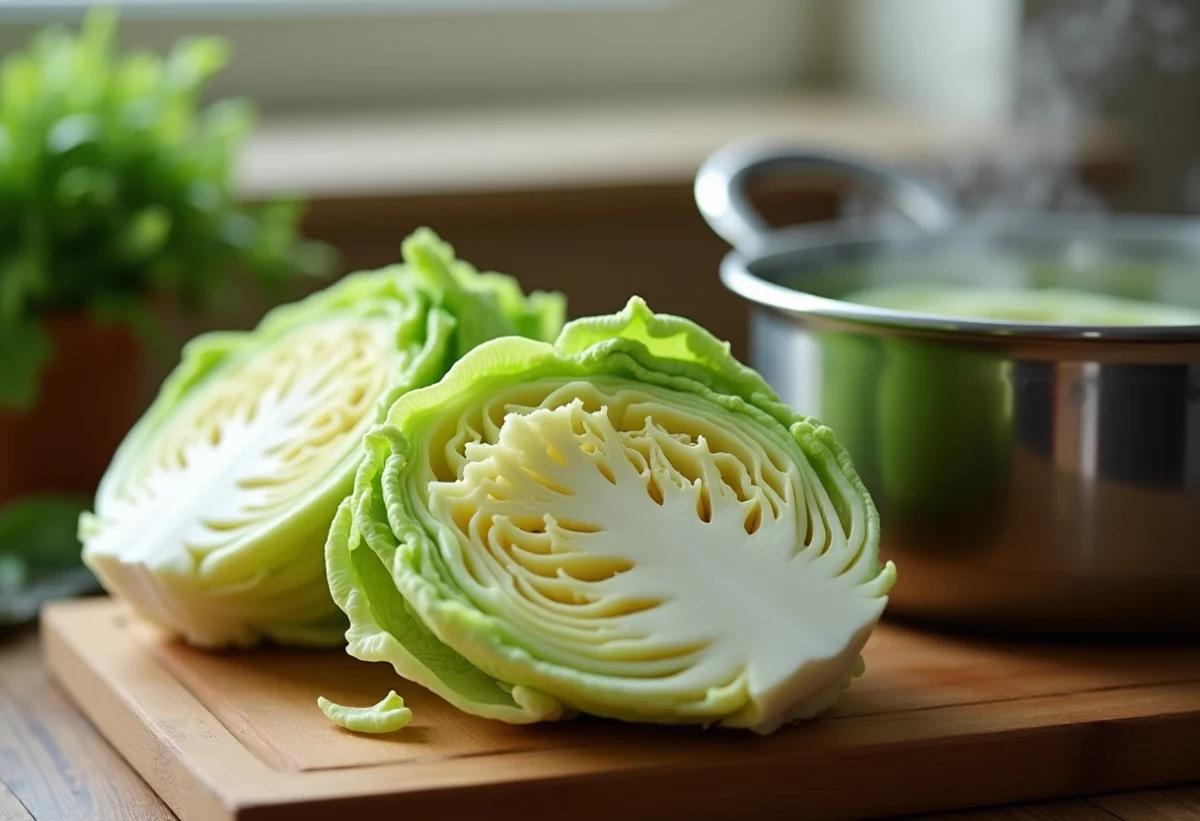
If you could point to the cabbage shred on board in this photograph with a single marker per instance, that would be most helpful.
(212, 517)
(627, 522)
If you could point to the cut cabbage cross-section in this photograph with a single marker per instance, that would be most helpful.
(211, 518)
(628, 523)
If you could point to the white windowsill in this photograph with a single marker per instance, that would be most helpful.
(572, 147)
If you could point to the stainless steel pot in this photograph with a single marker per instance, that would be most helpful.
(1036, 477)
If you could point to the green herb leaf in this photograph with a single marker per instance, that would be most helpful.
(40, 555)
(116, 187)
(41, 530)
(13, 574)
(27, 348)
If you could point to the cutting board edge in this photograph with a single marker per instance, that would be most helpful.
(140, 740)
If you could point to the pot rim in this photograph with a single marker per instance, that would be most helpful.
(777, 249)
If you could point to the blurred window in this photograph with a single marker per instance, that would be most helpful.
(297, 55)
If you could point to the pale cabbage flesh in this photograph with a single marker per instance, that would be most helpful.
(178, 535)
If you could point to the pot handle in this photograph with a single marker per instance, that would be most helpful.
(720, 188)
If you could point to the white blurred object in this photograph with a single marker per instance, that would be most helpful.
(951, 59)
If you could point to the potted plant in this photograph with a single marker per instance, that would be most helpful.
(116, 203)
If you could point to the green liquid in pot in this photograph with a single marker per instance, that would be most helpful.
(1054, 305)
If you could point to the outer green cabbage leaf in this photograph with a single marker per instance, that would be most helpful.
(627, 522)
(388, 716)
(211, 518)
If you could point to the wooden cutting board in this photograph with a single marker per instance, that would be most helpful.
(937, 723)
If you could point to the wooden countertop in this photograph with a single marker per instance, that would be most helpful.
(54, 765)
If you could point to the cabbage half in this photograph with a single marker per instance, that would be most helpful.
(212, 517)
(627, 523)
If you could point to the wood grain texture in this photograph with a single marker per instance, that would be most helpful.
(995, 725)
(1082, 810)
(1182, 804)
(52, 761)
(267, 700)
(1178, 804)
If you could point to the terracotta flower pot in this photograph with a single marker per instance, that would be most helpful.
(87, 401)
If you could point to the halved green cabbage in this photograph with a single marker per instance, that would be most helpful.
(627, 523)
(212, 516)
